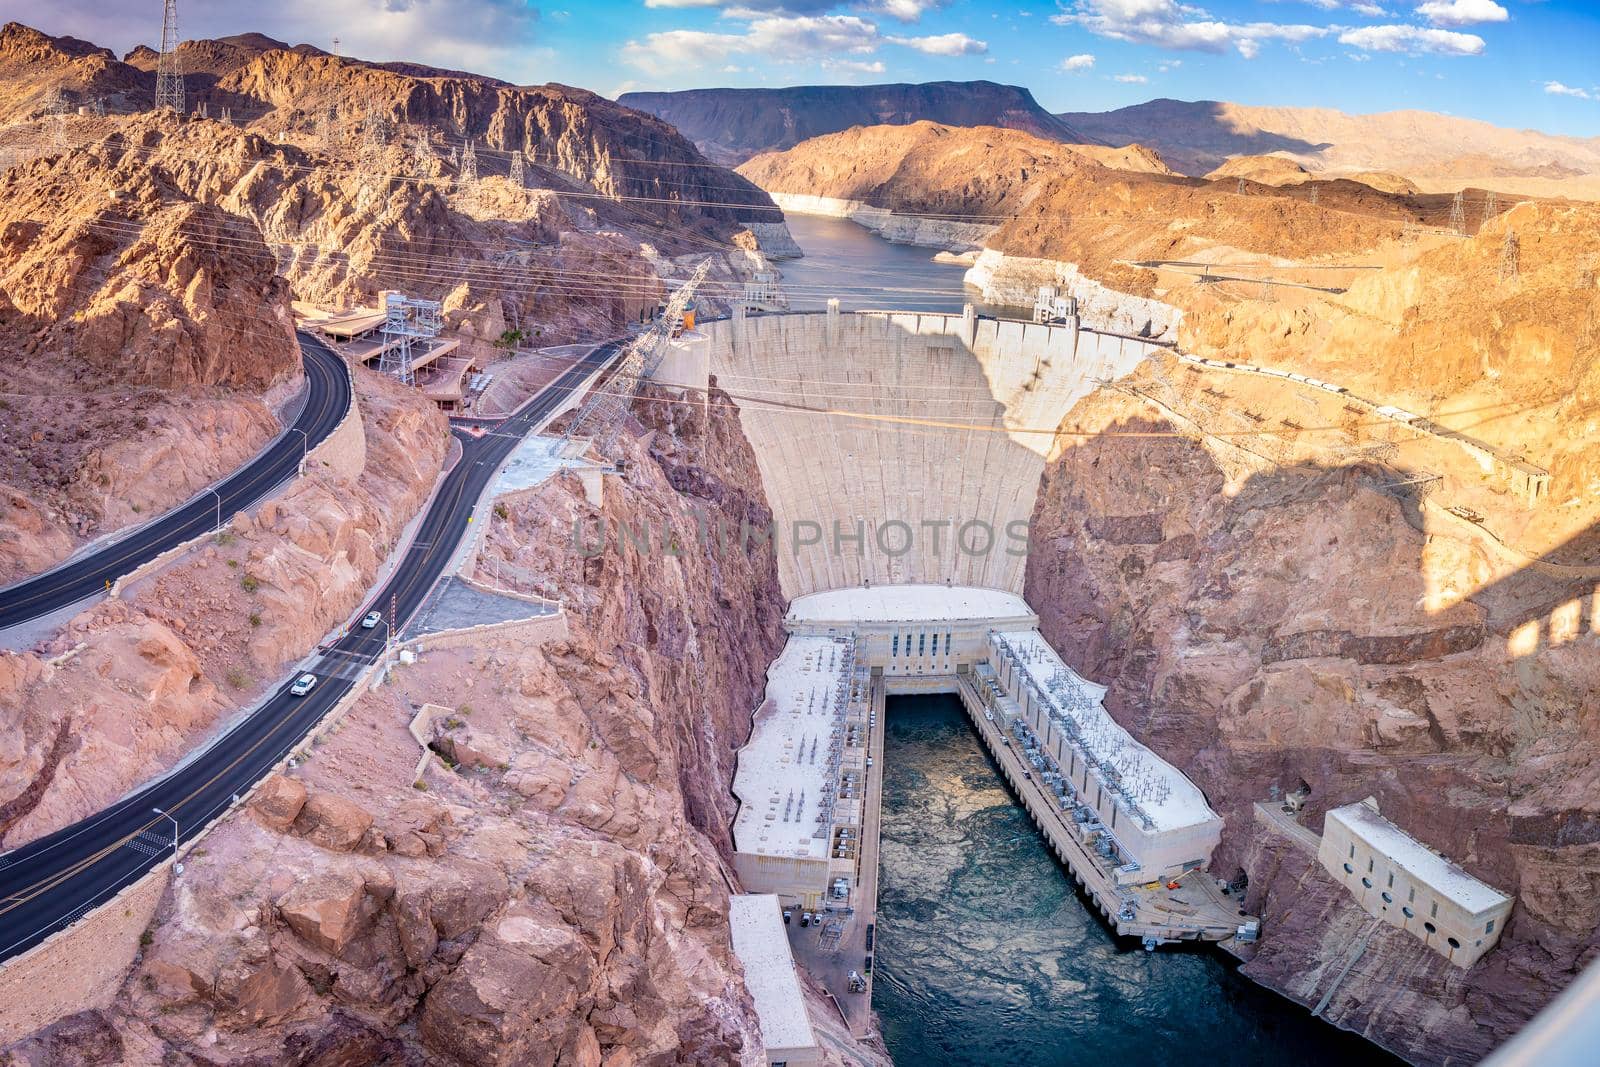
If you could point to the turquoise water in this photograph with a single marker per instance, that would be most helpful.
(986, 955)
(864, 271)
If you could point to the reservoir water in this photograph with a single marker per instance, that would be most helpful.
(987, 956)
(864, 271)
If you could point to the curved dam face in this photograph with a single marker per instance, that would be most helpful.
(899, 447)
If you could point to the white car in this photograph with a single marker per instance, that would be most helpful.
(303, 685)
(373, 618)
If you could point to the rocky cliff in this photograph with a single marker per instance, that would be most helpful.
(133, 684)
(158, 255)
(731, 125)
(1198, 136)
(1307, 627)
(143, 327)
(551, 889)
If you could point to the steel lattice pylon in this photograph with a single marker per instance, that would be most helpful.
(406, 320)
(601, 415)
(169, 72)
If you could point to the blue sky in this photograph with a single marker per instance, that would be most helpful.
(1524, 63)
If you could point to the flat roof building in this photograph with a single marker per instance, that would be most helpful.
(1400, 880)
(762, 945)
(1156, 819)
(787, 781)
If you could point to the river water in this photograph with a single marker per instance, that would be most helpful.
(864, 271)
(987, 956)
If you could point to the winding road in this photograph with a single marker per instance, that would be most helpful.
(51, 882)
(327, 402)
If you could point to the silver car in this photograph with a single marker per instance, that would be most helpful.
(303, 685)
(373, 618)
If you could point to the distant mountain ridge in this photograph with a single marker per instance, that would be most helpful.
(732, 125)
(1196, 137)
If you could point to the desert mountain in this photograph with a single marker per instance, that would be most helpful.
(159, 254)
(1199, 136)
(731, 125)
(1268, 170)
(1079, 204)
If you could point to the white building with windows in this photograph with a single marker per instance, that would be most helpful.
(1400, 880)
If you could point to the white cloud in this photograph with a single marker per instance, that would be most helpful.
(1130, 79)
(1413, 40)
(1078, 63)
(781, 39)
(1558, 89)
(903, 10)
(944, 44)
(1462, 12)
(1371, 11)
(1169, 24)
(853, 66)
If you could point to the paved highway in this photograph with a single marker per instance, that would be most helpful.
(53, 881)
(327, 401)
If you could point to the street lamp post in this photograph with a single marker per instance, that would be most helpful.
(305, 446)
(176, 866)
(218, 495)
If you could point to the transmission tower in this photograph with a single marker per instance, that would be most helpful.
(1458, 215)
(406, 321)
(1510, 256)
(1240, 190)
(169, 72)
(375, 131)
(1313, 194)
(519, 172)
(55, 103)
(422, 155)
(469, 166)
(1491, 205)
(602, 414)
(455, 156)
(227, 115)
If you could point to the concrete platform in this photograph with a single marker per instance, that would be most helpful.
(457, 604)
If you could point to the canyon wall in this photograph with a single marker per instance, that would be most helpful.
(731, 125)
(134, 683)
(552, 889)
(946, 234)
(1306, 627)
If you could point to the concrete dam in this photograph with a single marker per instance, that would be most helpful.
(909, 446)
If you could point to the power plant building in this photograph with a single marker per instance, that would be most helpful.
(1400, 880)
(1149, 821)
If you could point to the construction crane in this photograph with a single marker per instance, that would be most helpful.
(601, 415)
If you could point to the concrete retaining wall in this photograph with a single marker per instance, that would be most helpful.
(80, 967)
(344, 451)
(535, 631)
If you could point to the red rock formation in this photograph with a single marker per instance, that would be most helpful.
(557, 896)
(1287, 629)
